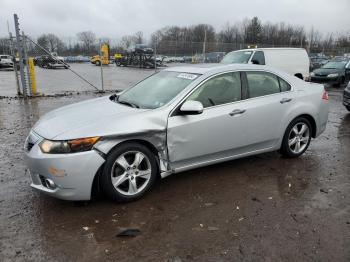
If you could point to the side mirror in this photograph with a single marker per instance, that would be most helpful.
(191, 107)
(255, 62)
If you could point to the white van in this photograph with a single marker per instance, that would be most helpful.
(291, 60)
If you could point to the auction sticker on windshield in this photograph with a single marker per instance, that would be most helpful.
(187, 76)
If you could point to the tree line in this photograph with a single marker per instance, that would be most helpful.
(189, 40)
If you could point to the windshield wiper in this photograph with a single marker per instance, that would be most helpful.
(128, 103)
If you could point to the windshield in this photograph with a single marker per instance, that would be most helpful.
(157, 90)
(240, 57)
(334, 65)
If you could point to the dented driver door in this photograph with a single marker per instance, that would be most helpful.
(196, 139)
(215, 133)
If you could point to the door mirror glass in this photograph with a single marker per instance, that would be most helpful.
(191, 107)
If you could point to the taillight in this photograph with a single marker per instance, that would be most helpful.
(325, 95)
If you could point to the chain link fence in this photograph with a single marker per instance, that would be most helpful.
(74, 70)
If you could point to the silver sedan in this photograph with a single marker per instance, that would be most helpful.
(175, 120)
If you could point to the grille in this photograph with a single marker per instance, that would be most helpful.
(43, 182)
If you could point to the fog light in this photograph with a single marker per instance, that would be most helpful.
(50, 184)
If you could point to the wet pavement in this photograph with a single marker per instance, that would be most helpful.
(58, 81)
(260, 208)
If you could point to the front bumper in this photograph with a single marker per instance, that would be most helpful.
(6, 65)
(325, 80)
(72, 174)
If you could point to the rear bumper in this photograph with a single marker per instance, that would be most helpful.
(72, 175)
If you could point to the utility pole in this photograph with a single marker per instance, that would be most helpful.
(13, 54)
(25, 55)
(20, 52)
(205, 40)
(101, 66)
(155, 54)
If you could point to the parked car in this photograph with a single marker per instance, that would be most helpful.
(214, 57)
(346, 97)
(6, 62)
(141, 49)
(294, 61)
(175, 120)
(334, 73)
(77, 59)
(51, 61)
(317, 62)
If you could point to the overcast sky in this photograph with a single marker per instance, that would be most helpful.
(114, 18)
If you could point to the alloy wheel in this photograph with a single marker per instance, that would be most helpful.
(299, 137)
(131, 172)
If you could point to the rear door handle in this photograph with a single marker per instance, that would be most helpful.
(237, 112)
(285, 100)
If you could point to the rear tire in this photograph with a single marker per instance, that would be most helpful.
(297, 138)
(130, 171)
(348, 108)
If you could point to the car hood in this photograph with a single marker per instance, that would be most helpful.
(326, 71)
(95, 117)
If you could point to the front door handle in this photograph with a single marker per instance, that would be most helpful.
(285, 100)
(237, 112)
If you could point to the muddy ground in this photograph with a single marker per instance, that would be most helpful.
(261, 208)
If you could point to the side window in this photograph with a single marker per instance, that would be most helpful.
(262, 84)
(222, 89)
(259, 57)
(284, 85)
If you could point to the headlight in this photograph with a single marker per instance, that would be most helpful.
(69, 146)
(312, 74)
(332, 75)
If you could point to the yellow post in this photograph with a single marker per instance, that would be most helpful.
(105, 54)
(32, 74)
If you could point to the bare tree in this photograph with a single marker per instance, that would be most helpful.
(127, 41)
(138, 37)
(51, 43)
(88, 38)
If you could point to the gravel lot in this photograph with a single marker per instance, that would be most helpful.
(261, 208)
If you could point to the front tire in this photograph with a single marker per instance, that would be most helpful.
(130, 171)
(296, 138)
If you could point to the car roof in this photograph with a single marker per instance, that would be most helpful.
(217, 68)
(271, 48)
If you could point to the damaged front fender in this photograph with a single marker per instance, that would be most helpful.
(156, 139)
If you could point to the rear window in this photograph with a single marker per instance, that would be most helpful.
(265, 83)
